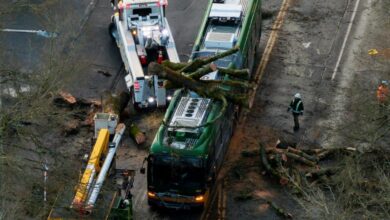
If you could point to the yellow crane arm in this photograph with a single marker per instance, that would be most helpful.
(93, 166)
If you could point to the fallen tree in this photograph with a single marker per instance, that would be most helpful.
(281, 163)
(233, 88)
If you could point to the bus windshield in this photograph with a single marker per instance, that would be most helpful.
(176, 173)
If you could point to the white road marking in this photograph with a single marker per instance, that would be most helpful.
(306, 45)
(41, 33)
(346, 38)
(311, 73)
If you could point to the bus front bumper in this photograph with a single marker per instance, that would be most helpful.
(176, 202)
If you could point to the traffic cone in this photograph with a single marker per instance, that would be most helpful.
(143, 59)
(160, 57)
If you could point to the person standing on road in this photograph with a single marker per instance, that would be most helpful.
(296, 106)
(382, 93)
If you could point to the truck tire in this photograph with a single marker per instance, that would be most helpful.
(152, 206)
(135, 104)
(111, 31)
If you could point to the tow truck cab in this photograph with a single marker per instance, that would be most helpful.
(142, 34)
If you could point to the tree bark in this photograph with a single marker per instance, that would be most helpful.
(137, 134)
(115, 103)
(198, 63)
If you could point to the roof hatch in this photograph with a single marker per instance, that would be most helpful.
(190, 112)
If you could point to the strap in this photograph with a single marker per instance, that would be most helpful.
(297, 107)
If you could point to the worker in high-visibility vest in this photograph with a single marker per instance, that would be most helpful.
(296, 106)
(382, 93)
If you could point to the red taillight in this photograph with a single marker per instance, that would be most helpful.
(162, 2)
(136, 86)
(143, 59)
(160, 57)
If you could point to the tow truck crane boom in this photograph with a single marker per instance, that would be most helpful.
(92, 168)
(106, 166)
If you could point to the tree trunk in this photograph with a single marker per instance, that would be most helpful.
(113, 103)
(198, 63)
(137, 134)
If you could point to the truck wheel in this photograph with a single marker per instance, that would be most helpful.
(151, 205)
(112, 31)
(136, 107)
(135, 104)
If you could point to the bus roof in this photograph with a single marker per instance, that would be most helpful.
(162, 2)
(193, 140)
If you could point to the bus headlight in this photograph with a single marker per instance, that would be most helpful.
(151, 194)
(150, 99)
(199, 198)
(169, 98)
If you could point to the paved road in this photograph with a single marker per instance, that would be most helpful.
(25, 50)
(303, 60)
(101, 54)
(96, 52)
(83, 38)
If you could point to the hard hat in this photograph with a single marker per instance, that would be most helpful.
(385, 82)
(297, 95)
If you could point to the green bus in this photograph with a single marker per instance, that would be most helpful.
(187, 151)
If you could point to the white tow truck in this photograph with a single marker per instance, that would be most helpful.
(143, 35)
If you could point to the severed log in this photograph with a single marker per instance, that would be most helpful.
(67, 97)
(332, 151)
(263, 155)
(300, 159)
(303, 154)
(325, 171)
(136, 133)
(279, 210)
(295, 157)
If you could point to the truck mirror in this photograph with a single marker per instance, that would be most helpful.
(142, 170)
